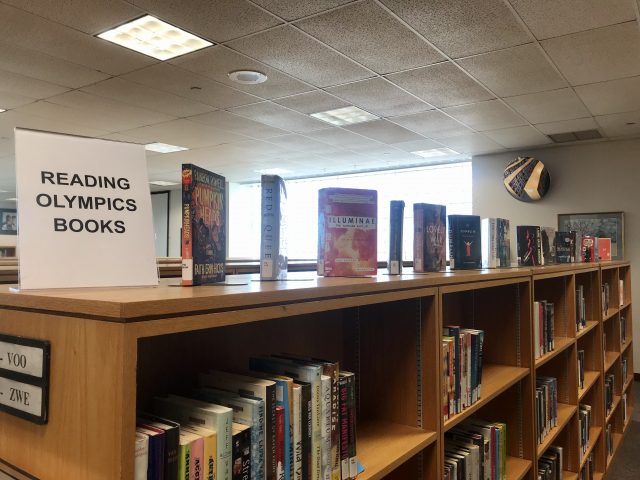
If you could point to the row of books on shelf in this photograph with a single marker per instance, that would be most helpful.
(581, 308)
(608, 439)
(546, 406)
(462, 368)
(606, 296)
(584, 423)
(550, 464)
(348, 230)
(624, 364)
(289, 418)
(589, 469)
(623, 330)
(609, 391)
(543, 327)
(476, 450)
(581, 364)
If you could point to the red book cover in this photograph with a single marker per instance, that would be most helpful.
(347, 232)
(604, 248)
(588, 249)
(280, 442)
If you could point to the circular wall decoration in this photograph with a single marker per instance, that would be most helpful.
(527, 179)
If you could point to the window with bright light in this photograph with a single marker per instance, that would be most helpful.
(447, 184)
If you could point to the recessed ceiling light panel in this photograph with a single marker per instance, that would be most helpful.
(248, 77)
(163, 148)
(155, 38)
(163, 183)
(344, 116)
(2, 110)
(435, 152)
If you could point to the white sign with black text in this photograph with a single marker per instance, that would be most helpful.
(85, 212)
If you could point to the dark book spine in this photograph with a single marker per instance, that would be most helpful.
(305, 420)
(395, 236)
(332, 370)
(344, 428)
(187, 237)
(241, 455)
(270, 418)
(280, 442)
(353, 458)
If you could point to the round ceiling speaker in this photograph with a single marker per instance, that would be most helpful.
(248, 77)
(527, 179)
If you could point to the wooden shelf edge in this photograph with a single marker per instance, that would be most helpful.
(610, 359)
(627, 383)
(614, 406)
(562, 343)
(612, 312)
(384, 446)
(517, 468)
(567, 475)
(591, 324)
(594, 433)
(590, 378)
(625, 346)
(565, 412)
(495, 380)
(622, 307)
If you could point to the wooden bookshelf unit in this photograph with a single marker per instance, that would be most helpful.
(113, 350)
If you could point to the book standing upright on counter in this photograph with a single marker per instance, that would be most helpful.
(603, 249)
(565, 247)
(548, 245)
(273, 238)
(347, 232)
(588, 249)
(496, 243)
(396, 220)
(203, 226)
(429, 237)
(465, 249)
(529, 246)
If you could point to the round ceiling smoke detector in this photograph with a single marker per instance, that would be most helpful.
(247, 77)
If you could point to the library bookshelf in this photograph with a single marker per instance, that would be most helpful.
(112, 350)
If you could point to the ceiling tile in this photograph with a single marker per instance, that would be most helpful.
(472, 143)
(441, 85)
(264, 148)
(237, 124)
(384, 131)
(312, 102)
(490, 115)
(294, 9)
(17, 118)
(89, 16)
(28, 87)
(218, 21)
(66, 43)
(184, 133)
(517, 137)
(418, 145)
(30, 63)
(342, 138)
(553, 18)
(615, 96)
(175, 80)
(620, 124)
(217, 62)
(597, 55)
(432, 124)
(514, 71)
(366, 33)
(380, 97)
(303, 144)
(95, 112)
(279, 117)
(146, 97)
(564, 126)
(295, 53)
(10, 100)
(462, 27)
(551, 106)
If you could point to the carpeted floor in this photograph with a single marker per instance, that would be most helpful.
(626, 465)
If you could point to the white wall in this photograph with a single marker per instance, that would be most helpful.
(592, 177)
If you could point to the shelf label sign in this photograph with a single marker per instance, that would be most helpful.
(24, 377)
(85, 217)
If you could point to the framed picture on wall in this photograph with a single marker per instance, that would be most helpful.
(8, 221)
(603, 225)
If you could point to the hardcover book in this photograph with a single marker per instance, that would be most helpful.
(588, 249)
(347, 232)
(529, 245)
(203, 226)
(504, 242)
(429, 237)
(603, 248)
(396, 217)
(465, 249)
(273, 239)
(565, 247)
(547, 240)
(496, 243)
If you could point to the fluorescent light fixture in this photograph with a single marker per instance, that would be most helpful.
(344, 116)
(435, 152)
(273, 171)
(155, 38)
(163, 148)
(14, 199)
(3, 110)
(163, 183)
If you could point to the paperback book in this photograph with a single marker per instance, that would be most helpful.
(588, 249)
(429, 237)
(203, 226)
(565, 247)
(603, 249)
(273, 239)
(529, 246)
(496, 243)
(548, 242)
(465, 249)
(347, 232)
